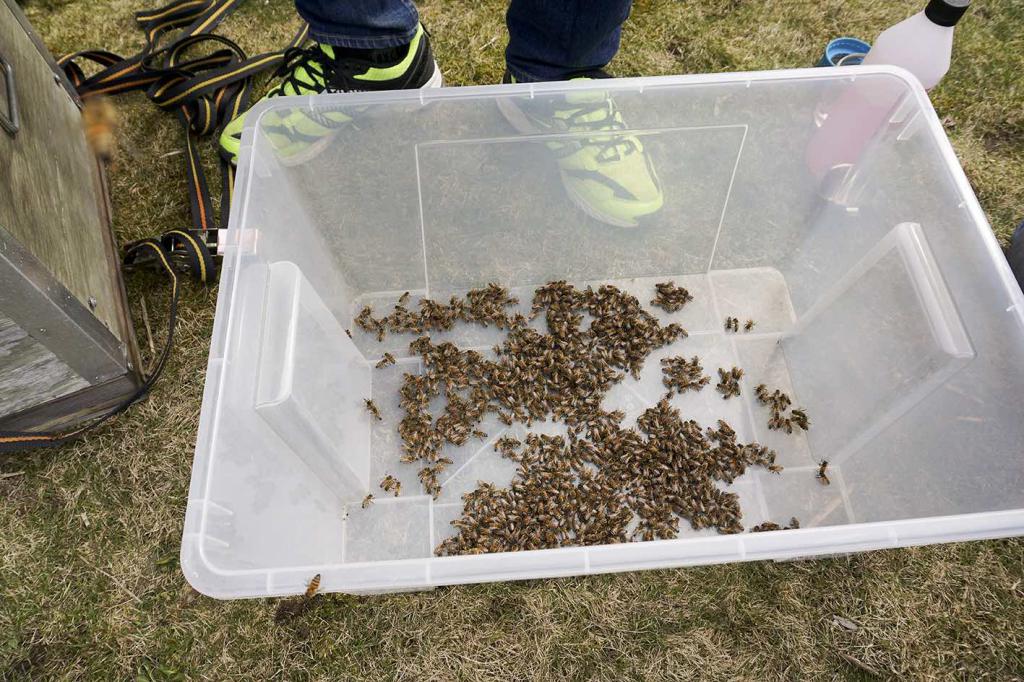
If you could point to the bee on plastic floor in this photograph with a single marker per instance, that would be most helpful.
(799, 418)
(729, 384)
(749, 326)
(391, 484)
(388, 359)
(367, 501)
(766, 526)
(371, 407)
(821, 475)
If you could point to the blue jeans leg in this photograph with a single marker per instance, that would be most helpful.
(362, 24)
(555, 39)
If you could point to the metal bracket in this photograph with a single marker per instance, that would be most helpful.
(9, 121)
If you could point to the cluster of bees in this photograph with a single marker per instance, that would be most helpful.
(778, 402)
(729, 382)
(732, 324)
(683, 375)
(771, 525)
(669, 297)
(483, 306)
(614, 485)
(388, 484)
(601, 483)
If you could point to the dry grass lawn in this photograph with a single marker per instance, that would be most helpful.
(89, 535)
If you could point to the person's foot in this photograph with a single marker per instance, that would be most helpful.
(604, 169)
(324, 68)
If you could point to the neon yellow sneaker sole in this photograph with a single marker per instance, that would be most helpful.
(299, 135)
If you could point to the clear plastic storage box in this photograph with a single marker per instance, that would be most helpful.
(826, 204)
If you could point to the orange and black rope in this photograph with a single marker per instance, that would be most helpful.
(205, 91)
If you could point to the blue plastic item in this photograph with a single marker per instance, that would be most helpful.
(839, 52)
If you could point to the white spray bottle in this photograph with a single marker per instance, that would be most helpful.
(921, 44)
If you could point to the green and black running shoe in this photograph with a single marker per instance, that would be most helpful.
(604, 169)
(322, 68)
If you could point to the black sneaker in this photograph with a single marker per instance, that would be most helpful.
(324, 68)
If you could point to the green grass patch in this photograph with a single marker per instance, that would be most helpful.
(89, 583)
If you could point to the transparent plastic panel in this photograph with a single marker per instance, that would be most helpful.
(312, 383)
(481, 225)
(875, 344)
(878, 297)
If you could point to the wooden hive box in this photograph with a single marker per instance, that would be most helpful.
(67, 347)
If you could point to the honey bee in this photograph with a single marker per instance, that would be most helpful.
(749, 326)
(313, 586)
(775, 468)
(296, 606)
(403, 298)
(729, 382)
(766, 526)
(371, 407)
(670, 297)
(800, 419)
(349, 333)
(388, 359)
(367, 501)
(821, 475)
(794, 522)
(391, 484)
(99, 121)
(732, 324)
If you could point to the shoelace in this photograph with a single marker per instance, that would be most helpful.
(608, 150)
(305, 58)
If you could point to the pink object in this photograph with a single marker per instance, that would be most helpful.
(921, 44)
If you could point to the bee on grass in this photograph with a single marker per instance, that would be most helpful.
(371, 407)
(296, 606)
(313, 586)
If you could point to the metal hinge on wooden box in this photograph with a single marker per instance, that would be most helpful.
(67, 347)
